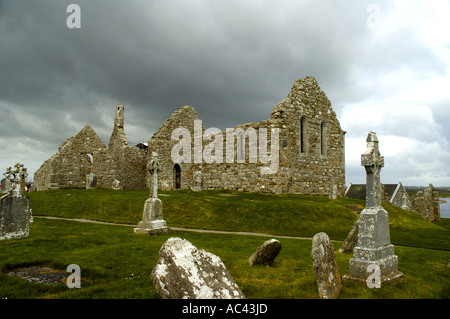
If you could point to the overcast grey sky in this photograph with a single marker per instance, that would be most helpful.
(383, 64)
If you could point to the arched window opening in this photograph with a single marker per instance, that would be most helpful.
(177, 176)
(323, 138)
(302, 135)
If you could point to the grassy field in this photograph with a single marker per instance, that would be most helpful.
(116, 263)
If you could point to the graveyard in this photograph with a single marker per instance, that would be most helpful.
(116, 262)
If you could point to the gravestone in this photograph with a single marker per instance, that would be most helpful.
(373, 246)
(351, 240)
(91, 181)
(116, 185)
(334, 193)
(198, 181)
(152, 220)
(325, 267)
(6, 185)
(185, 272)
(266, 253)
(15, 213)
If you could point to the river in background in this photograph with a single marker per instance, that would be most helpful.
(445, 208)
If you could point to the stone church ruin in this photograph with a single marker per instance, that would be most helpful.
(85, 154)
(311, 157)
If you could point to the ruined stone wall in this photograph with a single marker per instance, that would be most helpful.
(426, 204)
(86, 153)
(311, 155)
(311, 152)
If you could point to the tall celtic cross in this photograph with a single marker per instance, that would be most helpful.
(372, 162)
(154, 169)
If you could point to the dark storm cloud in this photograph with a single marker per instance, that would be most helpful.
(231, 60)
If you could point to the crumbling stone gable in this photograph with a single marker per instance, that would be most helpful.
(162, 143)
(86, 153)
(311, 144)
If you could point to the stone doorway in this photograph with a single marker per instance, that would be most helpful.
(177, 176)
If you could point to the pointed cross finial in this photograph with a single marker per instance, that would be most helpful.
(372, 161)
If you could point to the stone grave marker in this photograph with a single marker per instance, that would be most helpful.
(198, 181)
(266, 253)
(185, 272)
(325, 267)
(351, 240)
(91, 181)
(373, 246)
(152, 220)
(15, 213)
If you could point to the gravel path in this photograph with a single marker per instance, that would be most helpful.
(176, 228)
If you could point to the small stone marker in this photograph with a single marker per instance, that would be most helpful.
(6, 185)
(198, 181)
(15, 212)
(266, 253)
(116, 185)
(184, 272)
(152, 220)
(373, 247)
(325, 267)
(91, 181)
(351, 240)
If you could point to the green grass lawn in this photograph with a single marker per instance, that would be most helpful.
(116, 263)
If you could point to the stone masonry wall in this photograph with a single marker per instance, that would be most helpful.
(309, 169)
(86, 153)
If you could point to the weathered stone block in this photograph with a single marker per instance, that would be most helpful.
(185, 272)
(15, 217)
(91, 181)
(152, 220)
(426, 204)
(325, 267)
(266, 253)
(351, 240)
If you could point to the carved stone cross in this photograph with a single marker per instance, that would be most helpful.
(18, 175)
(374, 248)
(372, 162)
(154, 169)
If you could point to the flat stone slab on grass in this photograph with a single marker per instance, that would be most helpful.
(266, 253)
(185, 272)
(40, 274)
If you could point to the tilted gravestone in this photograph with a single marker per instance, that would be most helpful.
(373, 247)
(185, 272)
(266, 253)
(152, 220)
(15, 213)
(325, 267)
(351, 240)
